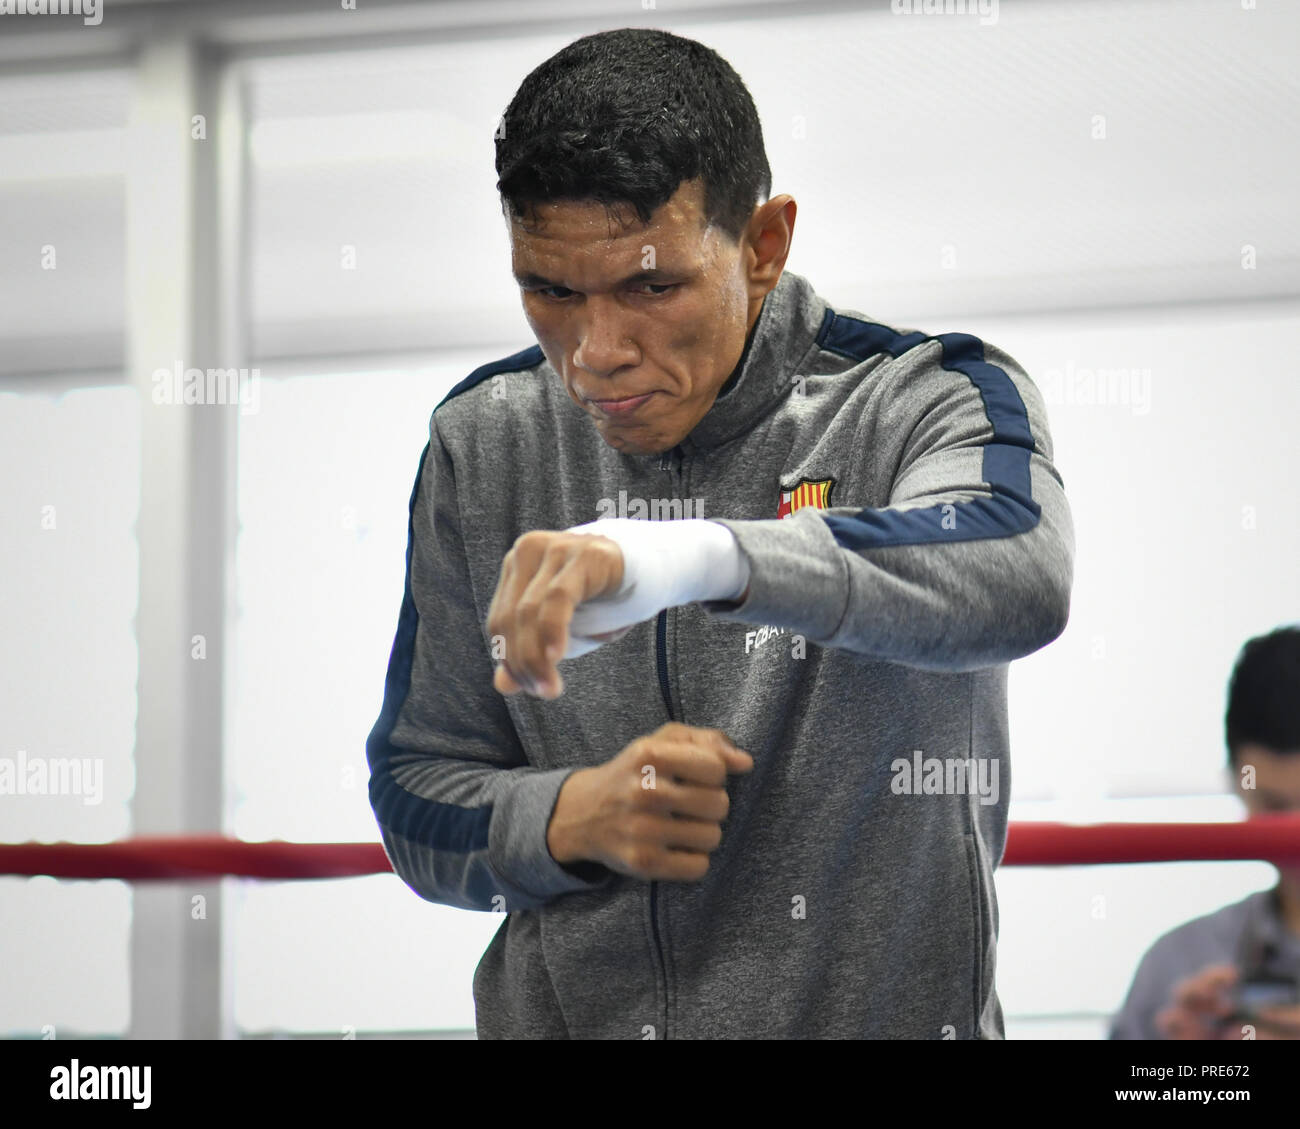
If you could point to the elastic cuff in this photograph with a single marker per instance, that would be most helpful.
(517, 843)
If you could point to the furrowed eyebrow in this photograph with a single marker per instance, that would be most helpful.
(528, 278)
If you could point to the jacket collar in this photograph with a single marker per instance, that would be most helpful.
(785, 330)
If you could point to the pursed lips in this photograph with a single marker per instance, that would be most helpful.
(621, 404)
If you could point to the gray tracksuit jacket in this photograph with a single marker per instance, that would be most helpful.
(907, 537)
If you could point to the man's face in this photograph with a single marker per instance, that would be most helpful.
(1277, 785)
(659, 311)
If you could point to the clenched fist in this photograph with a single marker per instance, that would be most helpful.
(563, 594)
(655, 811)
(544, 577)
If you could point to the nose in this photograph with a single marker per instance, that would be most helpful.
(604, 346)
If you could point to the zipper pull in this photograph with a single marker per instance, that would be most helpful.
(672, 458)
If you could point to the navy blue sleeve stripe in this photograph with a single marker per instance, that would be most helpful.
(1011, 510)
(858, 340)
(445, 827)
(516, 362)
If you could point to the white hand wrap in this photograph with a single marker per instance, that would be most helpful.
(665, 564)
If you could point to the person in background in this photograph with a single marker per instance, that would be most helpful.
(1235, 972)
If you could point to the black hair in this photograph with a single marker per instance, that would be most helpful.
(1264, 694)
(622, 117)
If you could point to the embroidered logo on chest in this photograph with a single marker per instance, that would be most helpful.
(806, 492)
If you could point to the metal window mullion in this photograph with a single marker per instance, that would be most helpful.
(173, 313)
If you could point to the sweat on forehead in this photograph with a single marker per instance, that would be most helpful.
(618, 218)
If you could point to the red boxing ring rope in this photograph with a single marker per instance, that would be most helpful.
(1273, 838)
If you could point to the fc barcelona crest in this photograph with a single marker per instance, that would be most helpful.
(806, 492)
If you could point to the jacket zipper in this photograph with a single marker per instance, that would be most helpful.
(661, 654)
(661, 661)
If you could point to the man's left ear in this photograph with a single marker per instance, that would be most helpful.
(769, 236)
